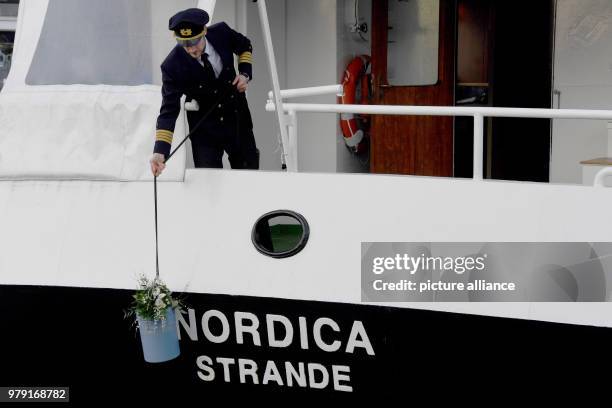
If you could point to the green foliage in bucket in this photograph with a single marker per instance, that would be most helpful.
(152, 300)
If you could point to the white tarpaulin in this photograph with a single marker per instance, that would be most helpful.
(83, 93)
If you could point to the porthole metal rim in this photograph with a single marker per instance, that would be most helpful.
(301, 244)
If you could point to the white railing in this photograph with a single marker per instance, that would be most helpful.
(278, 99)
(288, 119)
(312, 91)
(478, 113)
(601, 175)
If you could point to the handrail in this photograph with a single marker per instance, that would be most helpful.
(601, 176)
(312, 91)
(447, 111)
(478, 113)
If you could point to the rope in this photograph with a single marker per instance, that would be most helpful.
(227, 92)
(156, 240)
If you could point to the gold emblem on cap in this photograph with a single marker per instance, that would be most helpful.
(186, 32)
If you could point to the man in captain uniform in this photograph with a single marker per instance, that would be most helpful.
(201, 66)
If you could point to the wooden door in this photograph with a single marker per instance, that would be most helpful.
(421, 145)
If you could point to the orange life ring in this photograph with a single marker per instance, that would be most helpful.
(356, 74)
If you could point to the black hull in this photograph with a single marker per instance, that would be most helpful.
(79, 338)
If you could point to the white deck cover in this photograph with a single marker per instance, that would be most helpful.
(83, 93)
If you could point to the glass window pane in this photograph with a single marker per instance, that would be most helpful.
(114, 42)
(8, 8)
(286, 233)
(280, 234)
(7, 38)
(412, 57)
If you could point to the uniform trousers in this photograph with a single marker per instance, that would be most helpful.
(216, 136)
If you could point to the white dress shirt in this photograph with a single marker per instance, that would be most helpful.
(213, 57)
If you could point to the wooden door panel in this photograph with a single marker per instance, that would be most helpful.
(420, 145)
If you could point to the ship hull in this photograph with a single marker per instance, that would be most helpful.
(78, 337)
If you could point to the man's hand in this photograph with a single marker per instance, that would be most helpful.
(241, 83)
(157, 164)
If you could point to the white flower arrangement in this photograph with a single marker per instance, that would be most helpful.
(152, 299)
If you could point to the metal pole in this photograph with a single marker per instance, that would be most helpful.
(478, 145)
(292, 147)
(280, 112)
(311, 91)
(446, 111)
(600, 177)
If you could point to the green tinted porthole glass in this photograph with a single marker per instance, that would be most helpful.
(280, 234)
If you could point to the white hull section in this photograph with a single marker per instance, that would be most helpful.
(101, 234)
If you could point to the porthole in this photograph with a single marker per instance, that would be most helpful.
(280, 234)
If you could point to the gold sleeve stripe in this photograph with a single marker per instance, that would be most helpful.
(164, 136)
(164, 131)
(246, 57)
(167, 139)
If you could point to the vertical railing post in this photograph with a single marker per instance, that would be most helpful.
(267, 36)
(292, 148)
(478, 145)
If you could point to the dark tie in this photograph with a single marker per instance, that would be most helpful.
(208, 69)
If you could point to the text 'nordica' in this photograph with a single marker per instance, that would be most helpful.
(279, 333)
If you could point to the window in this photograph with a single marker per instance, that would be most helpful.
(113, 42)
(8, 8)
(7, 38)
(414, 27)
(280, 234)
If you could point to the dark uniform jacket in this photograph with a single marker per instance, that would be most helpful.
(184, 75)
